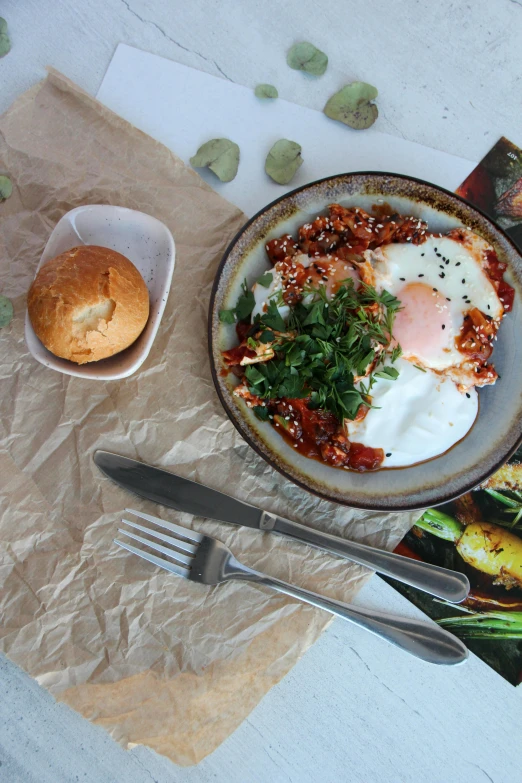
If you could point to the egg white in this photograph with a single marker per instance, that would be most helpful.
(416, 417)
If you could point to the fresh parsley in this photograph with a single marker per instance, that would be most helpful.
(325, 347)
(243, 309)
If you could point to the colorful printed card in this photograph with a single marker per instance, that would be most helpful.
(480, 534)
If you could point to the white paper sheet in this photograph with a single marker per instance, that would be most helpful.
(183, 108)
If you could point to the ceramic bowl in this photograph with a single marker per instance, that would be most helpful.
(148, 243)
(498, 429)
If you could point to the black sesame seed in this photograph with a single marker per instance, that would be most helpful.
(422, 254)
(465, 296)
(463, 279)
(402, 278)
(458, 263)
(468, 396)
(442, 274)
(489, 308)
(443, 326)
(421, 275)
(388, 454)
(441, 266)
(446, 261)
(435, 249)
(435, 290)
(448, 299)
(439, 255)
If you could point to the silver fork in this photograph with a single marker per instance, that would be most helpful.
(204, 559)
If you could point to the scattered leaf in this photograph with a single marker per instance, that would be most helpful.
(266, 279)
(283, 160)
(266, 91)
(221, 156)
(352, 105)
(5, 41)
(305, 56)
(6, 187)
(6, 311)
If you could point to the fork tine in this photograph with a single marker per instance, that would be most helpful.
(159, 561)
(180, 531)
(168, 539)
(177, 556)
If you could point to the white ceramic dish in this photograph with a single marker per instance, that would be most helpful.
(148, 243)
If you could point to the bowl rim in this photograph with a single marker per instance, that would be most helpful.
(403, 506)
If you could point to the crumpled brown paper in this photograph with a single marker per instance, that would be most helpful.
(152, 658)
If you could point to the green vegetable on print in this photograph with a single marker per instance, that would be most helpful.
(6, 187)
(304, 56)
(266, 91)
(5, 41)
(283, 161)
(6, 311)
(219, 155)
(352, 105)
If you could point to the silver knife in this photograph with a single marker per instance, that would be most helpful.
(171, 490)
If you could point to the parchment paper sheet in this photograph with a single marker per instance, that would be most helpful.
(152, 658)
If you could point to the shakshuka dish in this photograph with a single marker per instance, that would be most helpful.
(365, 342)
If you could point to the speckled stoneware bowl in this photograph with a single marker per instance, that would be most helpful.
(498, 429)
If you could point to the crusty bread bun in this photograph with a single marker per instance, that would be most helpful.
(88, 303)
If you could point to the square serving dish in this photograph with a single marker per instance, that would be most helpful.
(145, 241)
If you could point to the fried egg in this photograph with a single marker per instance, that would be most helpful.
(415, 417)
(437, 283)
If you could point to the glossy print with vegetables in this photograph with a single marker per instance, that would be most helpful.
(349, 349)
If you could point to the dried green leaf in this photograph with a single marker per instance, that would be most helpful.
(283, 160)
(219, 155)
(6, 187)
(305, 56)
(6, 311)
(266, 91)
(5, 41)
(352, 105)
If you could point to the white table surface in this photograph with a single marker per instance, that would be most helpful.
(354, 708)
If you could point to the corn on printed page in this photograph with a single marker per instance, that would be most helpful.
(480, 534)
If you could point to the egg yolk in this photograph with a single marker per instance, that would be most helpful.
(422, 327)
(332, 274)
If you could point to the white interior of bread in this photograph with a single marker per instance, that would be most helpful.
(93, 318)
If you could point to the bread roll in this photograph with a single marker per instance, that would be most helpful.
(88, 303)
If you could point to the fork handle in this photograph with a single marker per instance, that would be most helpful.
(440, 582)
(424, 640)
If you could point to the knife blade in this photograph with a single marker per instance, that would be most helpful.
(168, 489)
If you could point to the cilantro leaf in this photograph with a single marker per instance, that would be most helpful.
(265, 280)
(390, 373)
(273, 318)
(261, 412)
(227, 316)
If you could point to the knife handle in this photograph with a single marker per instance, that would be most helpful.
(440, 582)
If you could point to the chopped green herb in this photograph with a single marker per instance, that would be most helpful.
(273, 319)
(245, 303)
(227, 316)
(419, 368)
(266, 279)
(261, 412)
(267, 337)
(324, 347)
